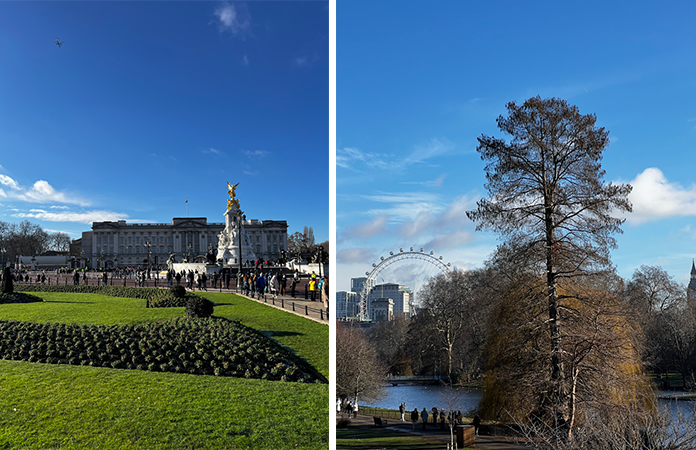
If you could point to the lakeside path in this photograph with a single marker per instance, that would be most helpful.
(482, 442)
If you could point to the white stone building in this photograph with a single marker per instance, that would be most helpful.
(119, 244)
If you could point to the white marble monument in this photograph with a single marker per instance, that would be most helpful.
(228, 250)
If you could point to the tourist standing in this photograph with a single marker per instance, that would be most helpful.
(424, 418)
(261, 286)
(293, 285)
(402, 410)
(414, 417)
(312, 288)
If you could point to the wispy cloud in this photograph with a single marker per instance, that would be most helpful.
(356, 255)
(256, 153)
(306, 60)
(429, 183)
(368, 229)
(654, 197)
(348, 157)
(213, 151)
(67, 216)
(434, 147)
(351, 158)
(245, 61)
(234, 18)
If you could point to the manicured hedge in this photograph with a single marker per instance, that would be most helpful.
(213, 346)
(19, 297)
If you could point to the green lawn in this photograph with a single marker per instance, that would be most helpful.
(307, 338)
(61, 406)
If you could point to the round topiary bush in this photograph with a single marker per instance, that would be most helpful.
(178, 291)
(6, 287)
(199, 307)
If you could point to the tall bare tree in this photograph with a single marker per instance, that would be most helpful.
(359, 373)
(547, 195)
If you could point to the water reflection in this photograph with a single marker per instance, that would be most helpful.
(458, 398)
(467, 400)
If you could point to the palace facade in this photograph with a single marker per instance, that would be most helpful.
(120, 244)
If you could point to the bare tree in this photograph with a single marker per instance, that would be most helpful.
(59, 242)
(359, 373)
(547, 195)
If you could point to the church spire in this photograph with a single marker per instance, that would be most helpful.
(693, 268)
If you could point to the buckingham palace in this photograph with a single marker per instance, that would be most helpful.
(120, 244)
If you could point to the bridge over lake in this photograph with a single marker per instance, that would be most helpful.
(412, 379)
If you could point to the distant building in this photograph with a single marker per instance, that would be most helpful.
(346, 304)
(119, 244)
(382, 310)
(401, 298)
(691, 288)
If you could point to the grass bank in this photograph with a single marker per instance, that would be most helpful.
(76, 407)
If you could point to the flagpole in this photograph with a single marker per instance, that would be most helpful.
(187, 208)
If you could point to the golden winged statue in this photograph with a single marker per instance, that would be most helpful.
(232, 200)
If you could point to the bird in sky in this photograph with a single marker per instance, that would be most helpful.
(59, 44)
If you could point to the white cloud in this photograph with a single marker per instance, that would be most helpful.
(213, 151)
(245, 61)
(234, 18)
(9, 182)
(654, 197)
(67, 216)
(356, 255)
(368, 229)
(40, 192)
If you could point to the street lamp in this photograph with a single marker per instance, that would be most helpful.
(148, 246)
(240, 219)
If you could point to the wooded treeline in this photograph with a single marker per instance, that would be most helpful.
(29, 239)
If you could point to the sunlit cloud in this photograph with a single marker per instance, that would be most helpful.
(654, 197)
(40, 192)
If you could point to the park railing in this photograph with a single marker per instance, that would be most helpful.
(379, 412)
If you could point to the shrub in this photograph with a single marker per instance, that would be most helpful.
(6, 287)
(199, 307)
(178, 291)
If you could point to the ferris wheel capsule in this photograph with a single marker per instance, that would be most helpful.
(422, 251)
(381, 258)
(440, 258)
(391, 253)
(431, 252)
(411, 248)
(374, 265)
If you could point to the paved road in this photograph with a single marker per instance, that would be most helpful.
(482, 442)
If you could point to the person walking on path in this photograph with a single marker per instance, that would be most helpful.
(424, 418)
(293, 285)
(274, 287)
(402, 410)
(261, 286)
(477, 424)
(414, 417)
(313, 288)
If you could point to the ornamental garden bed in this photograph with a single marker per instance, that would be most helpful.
(155, 297)
(212, 346)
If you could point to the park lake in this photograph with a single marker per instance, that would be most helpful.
(467, 399)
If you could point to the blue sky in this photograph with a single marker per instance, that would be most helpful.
(147, 104)
(418, 82)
